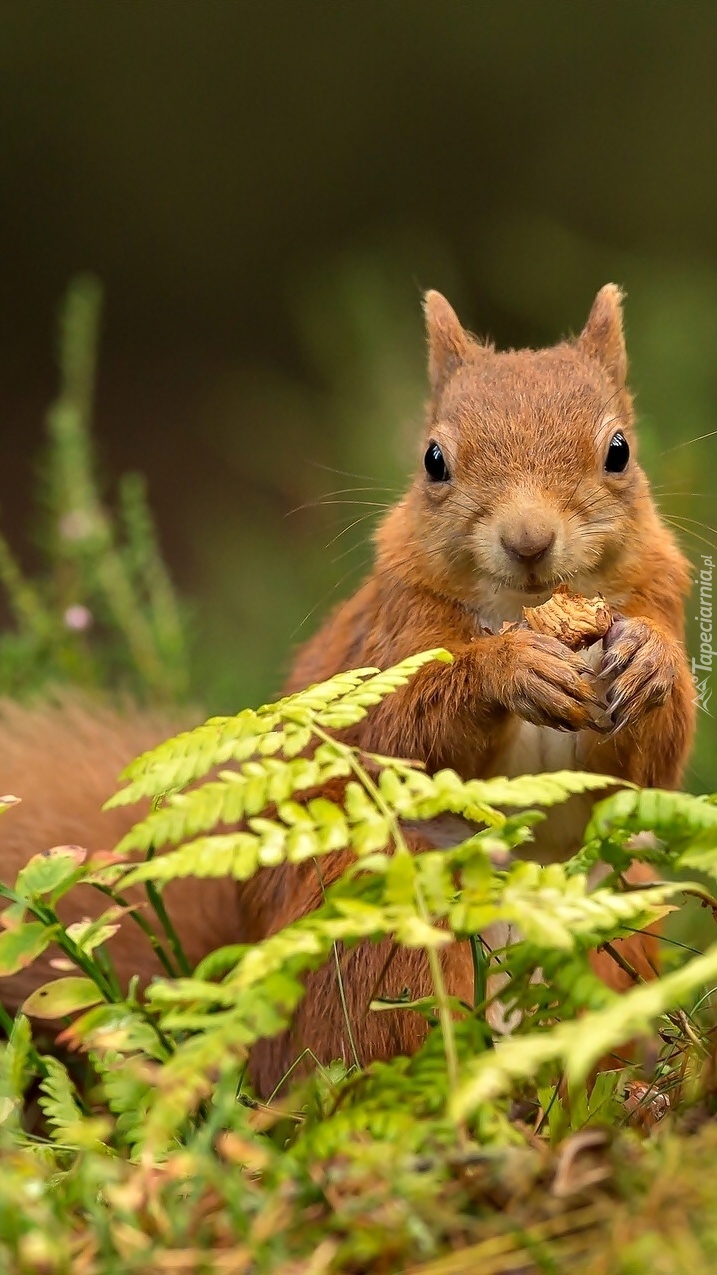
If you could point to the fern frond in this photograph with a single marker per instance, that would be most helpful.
(18, 1064)
(61, 1108)
(188, 756)
(339, 702)
(128, 1090)
(350, 707)
(268, 843)
(58, 1096)
(551, 909)
(677, 818)
(300, 832)
(200, 1062)
(234, 796)
(576, 1046)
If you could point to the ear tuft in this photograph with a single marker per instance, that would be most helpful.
(448, 342)
(603, 338)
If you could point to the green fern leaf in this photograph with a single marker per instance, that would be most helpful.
(128, 1088)
(68, 1123)
(202, 1061)
(551, 909)
(231, 798)
(17, 1068)
(577, 1046)
(677, 818)
(192, 754)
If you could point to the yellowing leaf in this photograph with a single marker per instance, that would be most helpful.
(47, 871)
(63, 996)
(20, 947)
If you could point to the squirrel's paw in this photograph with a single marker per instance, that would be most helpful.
(639, 667)
(552, 685)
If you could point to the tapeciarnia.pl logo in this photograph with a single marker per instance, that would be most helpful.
(702, 665)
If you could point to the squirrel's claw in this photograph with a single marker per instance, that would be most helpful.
(639, 668)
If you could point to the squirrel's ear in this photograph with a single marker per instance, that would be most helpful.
(447, 341)
(602, 338)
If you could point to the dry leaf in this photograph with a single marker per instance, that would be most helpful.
(645, 1105)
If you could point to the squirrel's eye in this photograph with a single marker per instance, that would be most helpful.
(436, 467)
(618, 454)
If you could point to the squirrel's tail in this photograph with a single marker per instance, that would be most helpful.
(63, 760)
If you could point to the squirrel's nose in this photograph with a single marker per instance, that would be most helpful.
(528, 545)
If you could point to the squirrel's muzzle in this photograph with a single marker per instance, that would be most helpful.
(528, 543)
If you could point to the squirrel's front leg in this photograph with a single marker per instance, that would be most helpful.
(650, 699)
(458, 715)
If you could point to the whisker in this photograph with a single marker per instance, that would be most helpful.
(702, 495)
(343, 491)
(687, 531)
(343, 473)
(320, 503)
(427, 554)
(569, 501)
(344, 530)
(323, 599)
(587, 507)
(353, 548)
(608, 401)
(695, 521)
(700, 438)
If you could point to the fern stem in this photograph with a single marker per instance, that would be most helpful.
(7, 1022)
(620, 961)
(305, 1053)
(144, 926)
(51, 921)
(480, 971)
(380, 977)
(340, 981)
(155, 899)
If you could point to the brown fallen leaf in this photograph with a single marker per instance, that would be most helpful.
(645, 1105)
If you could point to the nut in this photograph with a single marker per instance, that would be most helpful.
(574, 620)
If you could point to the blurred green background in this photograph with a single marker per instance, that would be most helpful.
(266, 186)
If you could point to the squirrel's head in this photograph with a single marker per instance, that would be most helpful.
(528, 474)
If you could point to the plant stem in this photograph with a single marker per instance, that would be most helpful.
(339, 978)
(144, 926)
(156, 901)
(480, 971)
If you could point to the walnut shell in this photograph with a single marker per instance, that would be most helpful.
(572, 619)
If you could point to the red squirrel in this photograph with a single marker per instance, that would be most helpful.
(528, 478)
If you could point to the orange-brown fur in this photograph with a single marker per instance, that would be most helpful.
(525, 434)
(63, 760)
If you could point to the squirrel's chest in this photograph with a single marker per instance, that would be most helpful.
(527, 749)
(533, 750)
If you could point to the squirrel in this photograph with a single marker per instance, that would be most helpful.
(528, 479)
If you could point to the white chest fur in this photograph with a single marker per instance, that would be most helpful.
(534, 750)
